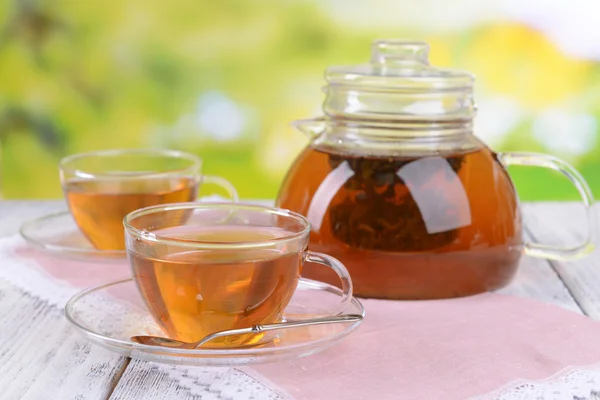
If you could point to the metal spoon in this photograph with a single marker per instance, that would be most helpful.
(177, 344)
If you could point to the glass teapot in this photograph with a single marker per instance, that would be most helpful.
(399, 189)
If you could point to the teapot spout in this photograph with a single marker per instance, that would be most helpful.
(312, 127)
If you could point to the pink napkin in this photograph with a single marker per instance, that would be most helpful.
(442, 349)
(78, 274)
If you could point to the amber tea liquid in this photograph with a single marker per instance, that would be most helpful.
(194, 293)
(441, 226)
(99, 206)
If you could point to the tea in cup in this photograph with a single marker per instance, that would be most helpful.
(102, 187)
(206, 267)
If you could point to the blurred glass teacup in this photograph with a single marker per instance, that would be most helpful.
(102, 187)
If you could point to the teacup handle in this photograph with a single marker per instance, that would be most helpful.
(340, 270)
(222, 182)
(546, 161)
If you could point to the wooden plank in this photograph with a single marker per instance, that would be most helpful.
(566, 224)
(147, 381)
(41, 355)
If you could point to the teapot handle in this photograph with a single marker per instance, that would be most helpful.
(546, 161)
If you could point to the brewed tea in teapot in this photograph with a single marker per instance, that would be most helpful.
(398, 188)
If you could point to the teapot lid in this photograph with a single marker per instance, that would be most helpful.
(399, 84)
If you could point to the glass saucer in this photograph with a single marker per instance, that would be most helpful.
(58, 234)
(110, 314)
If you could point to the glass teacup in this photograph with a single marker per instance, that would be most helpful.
(206, 267)
(102, 187)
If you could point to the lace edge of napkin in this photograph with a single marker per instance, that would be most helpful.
(225, 382)
(573, 382)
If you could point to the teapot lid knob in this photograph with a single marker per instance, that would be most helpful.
(393, 55)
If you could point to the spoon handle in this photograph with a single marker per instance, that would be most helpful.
(281, 325)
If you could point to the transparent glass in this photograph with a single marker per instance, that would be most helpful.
(102, 187)
(109, 315)
(207, 267)
(398, 188)
(58, 235)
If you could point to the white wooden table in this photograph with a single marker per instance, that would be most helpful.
(42, 357)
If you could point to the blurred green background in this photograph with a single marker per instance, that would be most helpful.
(223, 79)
